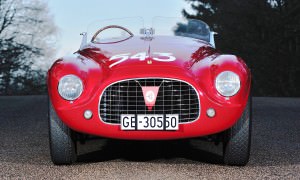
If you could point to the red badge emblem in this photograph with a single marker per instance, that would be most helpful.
(150, 95)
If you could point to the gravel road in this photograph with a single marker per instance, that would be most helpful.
(24, 149)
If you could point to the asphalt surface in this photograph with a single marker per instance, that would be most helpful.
(24, 149)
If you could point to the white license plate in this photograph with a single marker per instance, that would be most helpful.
(168, 122)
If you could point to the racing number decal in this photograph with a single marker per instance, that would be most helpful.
(141, 56)
(158, 56)
(164, 57)
(121, 57)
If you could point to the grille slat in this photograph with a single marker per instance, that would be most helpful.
(126, 97)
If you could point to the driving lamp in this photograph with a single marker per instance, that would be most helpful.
(227, 83)
(70, 87)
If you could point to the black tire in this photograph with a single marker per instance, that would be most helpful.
(237, 139)
(62, 140)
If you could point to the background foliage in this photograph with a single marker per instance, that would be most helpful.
(27, 35)
(266, 33)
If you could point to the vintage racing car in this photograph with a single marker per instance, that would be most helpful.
(160, 83)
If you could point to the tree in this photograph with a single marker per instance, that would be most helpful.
(257, 31)
(26, 34)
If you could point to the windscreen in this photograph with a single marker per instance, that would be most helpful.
(165, 26)
(114, 30)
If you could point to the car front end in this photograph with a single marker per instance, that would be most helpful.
(103, 100)
(171, 85)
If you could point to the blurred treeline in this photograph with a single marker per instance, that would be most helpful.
(265, 33)
(27, 37)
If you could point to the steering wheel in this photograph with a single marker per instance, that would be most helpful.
(108, 27)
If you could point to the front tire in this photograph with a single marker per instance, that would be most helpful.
(62, 140)
(237, 139)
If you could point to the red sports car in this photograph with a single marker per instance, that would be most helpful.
(160, 83)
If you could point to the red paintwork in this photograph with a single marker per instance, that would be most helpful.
(197, 63)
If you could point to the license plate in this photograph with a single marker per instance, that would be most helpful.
(168, 122)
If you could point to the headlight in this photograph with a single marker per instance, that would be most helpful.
(70, 87)
(227, 83)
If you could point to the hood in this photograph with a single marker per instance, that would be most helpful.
(179, 52)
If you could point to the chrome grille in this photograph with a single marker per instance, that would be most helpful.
(126, 97)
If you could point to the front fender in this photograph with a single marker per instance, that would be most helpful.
(207, 70)
(89, 71)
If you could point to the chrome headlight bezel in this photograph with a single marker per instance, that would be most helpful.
(228, 83)
(70, 87)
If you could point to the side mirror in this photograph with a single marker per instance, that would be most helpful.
(212, 38)
(84, 40)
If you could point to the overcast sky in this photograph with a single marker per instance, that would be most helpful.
(72, 16)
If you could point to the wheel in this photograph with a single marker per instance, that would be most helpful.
(237, 140)
(62, 140)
